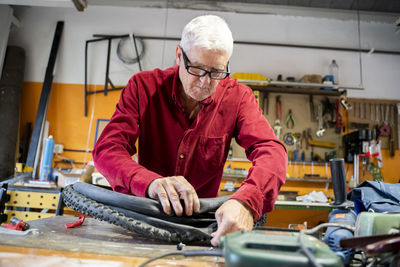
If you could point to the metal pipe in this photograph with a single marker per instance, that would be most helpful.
(107, 67)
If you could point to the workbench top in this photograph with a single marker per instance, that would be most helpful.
(92, 241)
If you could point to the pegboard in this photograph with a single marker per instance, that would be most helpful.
(301, 110)
(369, 113)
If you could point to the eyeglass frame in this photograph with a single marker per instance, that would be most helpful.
(209, 72)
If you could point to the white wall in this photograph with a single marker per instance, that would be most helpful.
(381, 73)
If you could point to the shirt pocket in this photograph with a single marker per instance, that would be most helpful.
(212, 152)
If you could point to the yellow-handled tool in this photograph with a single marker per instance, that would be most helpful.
(322, 143)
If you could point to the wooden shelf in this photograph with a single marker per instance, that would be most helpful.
(294, 179)
(295, 90)
(318, 180)
(293, 87)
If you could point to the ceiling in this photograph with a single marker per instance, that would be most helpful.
(388, 10)
(391, 6)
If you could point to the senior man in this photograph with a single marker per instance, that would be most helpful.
(185, 117)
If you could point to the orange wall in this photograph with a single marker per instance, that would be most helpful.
(69, 126)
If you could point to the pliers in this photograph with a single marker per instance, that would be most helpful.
(290, 120)
(278, 108)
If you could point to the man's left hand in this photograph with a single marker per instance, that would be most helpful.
(232, 216)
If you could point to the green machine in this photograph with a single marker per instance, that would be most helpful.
(274, 248)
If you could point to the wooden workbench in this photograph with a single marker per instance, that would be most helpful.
(94, 243)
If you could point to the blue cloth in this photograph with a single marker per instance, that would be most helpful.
(376, 197)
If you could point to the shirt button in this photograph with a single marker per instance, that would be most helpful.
(181, 156)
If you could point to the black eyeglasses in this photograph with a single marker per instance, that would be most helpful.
(199, 72)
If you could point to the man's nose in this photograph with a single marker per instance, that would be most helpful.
(205, 79)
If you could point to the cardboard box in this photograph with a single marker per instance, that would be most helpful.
(63, 179)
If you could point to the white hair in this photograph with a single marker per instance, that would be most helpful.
(209, 32)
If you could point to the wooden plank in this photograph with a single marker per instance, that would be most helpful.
(95, 239)
(22, 256)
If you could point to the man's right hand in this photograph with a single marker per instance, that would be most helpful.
(170, 190)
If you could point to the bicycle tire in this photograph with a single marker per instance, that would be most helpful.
(113, 215)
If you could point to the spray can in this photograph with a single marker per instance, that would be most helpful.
(46, 160)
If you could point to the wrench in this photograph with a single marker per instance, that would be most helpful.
(277, 129)
(371, 113)
(321, 129)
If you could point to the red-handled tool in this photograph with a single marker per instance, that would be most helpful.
(77, 223)
(17, 224)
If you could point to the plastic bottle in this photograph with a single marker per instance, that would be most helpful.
(334, 71)
(46, 160)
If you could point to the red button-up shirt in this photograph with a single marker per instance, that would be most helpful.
(171, 145)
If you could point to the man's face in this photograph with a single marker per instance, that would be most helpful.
(199, 88)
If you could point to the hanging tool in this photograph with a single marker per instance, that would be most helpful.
(303, 139)
(385, 128)
(278, 117)
(391, 136)
(308, 138)
(288, 139)
(365, 110)
(321, 129)
(322, 144)
(377, 113)
(346, 104)
(303, 156)
(371, 113)
(265, 103)
(312, 113)
(338, 121)
(296, 137)
(328, 112)
(290, 122)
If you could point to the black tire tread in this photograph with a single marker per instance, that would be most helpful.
(82, 204)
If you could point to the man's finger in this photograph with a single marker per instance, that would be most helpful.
(173, 198)
(188, 194)
(221, 228)
(188, 199)
(196, 203)
(221, 231)
(163, 197)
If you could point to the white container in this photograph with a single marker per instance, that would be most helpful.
(333, 69)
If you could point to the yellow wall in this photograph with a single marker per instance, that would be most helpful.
(69, 126)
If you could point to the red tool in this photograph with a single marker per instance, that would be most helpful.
(77, 223)
(17, 224)
(278, 108)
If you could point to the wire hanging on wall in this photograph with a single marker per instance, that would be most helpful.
(124, 51)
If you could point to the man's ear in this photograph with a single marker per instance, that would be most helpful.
(178, 55)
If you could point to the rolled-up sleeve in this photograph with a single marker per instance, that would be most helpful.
(267, 154)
